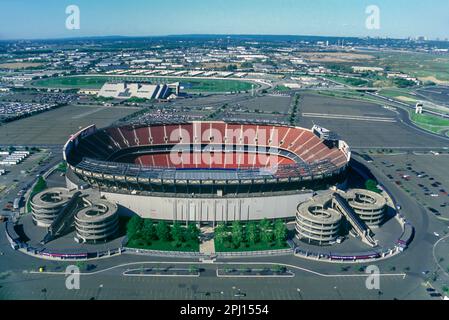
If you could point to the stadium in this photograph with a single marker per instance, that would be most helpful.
(208, 171)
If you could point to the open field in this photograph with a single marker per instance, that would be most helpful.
(190, 85)
(336, 56)
(54, 127)
(350, 81)
(403, 95)
(426, 67)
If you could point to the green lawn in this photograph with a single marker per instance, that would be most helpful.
(191, 246)
(190, 85)
(429, 122)
(40, 185)
(281, 88)
(355, 82)
(402, 94)
(71, 82)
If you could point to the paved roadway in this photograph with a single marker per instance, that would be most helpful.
(319, 281)
(316, 280)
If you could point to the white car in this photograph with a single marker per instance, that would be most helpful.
(436, 234)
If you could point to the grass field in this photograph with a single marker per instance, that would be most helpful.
(355, 82)
(190, 85)
(424, 66)
(430, 123)
(400, 94)
(281, 88)
(40, 185)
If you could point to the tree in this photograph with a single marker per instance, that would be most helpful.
(134, 227)
(237, 234)
(247, 65)
(220, 233)
(177, 232)
(192, 233)
(231, 67)
(252, 234)
(149, 230)
(163, 231)
(266, 234)
(280, 232)
(371, 185)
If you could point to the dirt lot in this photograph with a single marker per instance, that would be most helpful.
(335, 56)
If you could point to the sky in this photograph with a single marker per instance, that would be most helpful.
(32, 19)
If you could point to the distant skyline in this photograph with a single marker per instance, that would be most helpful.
(30, 19)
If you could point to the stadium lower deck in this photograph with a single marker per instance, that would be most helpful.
(202, 151)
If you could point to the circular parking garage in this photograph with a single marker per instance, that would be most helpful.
(317, 222)
(97, 222)
(47, 204)
(368, 205)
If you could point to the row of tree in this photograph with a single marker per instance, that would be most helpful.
(149, 230)
(265, 232)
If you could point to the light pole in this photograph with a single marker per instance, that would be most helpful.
(299, 293)
(379, 294)
(338, 292)
(99, 291)
(44, 291)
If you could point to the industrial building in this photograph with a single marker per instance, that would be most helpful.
(125, 90)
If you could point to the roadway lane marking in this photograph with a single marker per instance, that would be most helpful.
(403, 275)
(348, 117)
(85, 114)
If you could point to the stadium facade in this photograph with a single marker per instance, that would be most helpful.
(206, 171)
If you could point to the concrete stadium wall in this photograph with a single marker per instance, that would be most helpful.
(210, 210)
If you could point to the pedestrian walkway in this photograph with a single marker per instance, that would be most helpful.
(207, 245)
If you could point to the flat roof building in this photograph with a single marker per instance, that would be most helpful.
(135, 90)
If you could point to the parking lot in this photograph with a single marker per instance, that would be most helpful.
(21, 177)
(425, 177)
(360, 132)
(55, 126)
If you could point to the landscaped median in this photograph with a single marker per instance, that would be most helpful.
(275, 271)
(168, 271)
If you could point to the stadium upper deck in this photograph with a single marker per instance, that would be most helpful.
(204, 153)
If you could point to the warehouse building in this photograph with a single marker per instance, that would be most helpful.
(137, 90)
